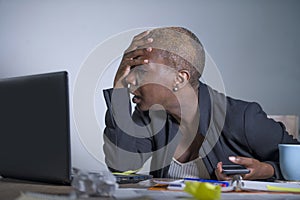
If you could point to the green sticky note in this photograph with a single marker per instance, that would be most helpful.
(201, 190)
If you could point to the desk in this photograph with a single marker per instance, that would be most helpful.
(10, 190)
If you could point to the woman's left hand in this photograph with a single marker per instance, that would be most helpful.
(258, 170)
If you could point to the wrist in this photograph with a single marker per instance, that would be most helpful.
(267, 170)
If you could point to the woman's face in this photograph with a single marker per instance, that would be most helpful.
(152, 84)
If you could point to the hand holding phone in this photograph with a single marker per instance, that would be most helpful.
(234, 169)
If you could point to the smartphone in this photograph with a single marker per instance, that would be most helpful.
(234, 169)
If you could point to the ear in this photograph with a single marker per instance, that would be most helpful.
(182, 78)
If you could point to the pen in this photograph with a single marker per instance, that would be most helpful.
(214, 182)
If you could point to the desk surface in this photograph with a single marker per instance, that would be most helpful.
(10, 190)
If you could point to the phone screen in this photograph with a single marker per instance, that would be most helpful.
(235, 169)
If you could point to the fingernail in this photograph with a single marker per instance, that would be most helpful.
(146, 61)
(149, 49)
(232, 158)
(150, 39)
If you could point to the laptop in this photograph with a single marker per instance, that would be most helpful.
(34, 128)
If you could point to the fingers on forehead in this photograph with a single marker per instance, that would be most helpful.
(141, 35)
(140, 44)
(137, 52)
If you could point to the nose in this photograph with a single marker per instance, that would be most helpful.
(130, 79)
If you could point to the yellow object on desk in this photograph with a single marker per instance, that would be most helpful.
(126, 172)
(201, 190)
(283, 189)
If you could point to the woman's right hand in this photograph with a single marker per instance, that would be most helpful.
(258, 170)
(135, 55)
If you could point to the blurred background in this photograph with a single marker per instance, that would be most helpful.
(255, 45)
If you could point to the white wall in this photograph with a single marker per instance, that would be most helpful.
(255, 44)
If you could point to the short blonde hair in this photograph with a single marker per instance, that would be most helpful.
(182, 48)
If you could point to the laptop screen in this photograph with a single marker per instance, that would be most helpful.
(34, 128)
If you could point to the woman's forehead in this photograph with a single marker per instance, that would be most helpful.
(160, 68)
(162, 58)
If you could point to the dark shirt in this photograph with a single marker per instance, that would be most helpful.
(231, 127)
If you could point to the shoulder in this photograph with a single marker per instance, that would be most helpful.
(238, 105)
(244, 114)
(216, 97)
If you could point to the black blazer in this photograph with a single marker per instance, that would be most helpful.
(230, 127)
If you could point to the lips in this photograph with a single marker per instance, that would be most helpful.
(136, 99)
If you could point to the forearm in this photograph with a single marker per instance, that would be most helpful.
(122, 151)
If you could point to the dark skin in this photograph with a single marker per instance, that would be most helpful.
(159, 77)
(147, 61)
(132, 57)
(258, 170)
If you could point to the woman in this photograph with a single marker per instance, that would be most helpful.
(187, 128)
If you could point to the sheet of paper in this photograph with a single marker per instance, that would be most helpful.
(263, 186)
